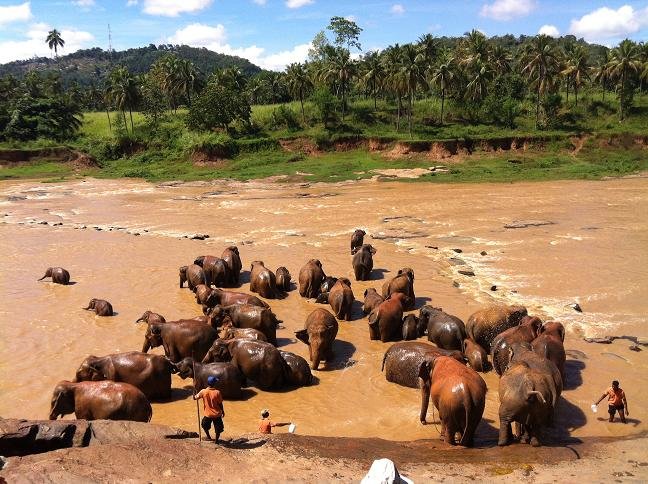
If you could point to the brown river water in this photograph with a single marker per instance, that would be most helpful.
(594, 252)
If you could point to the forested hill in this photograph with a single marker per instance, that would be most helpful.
(91, 65)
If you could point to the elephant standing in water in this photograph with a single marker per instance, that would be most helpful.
(549, 344)
(247, 316)
(230, 378)
(357, 240)
(458, 393)
(283, 279)
(180, 339)
(443, 329)
(150, 373)
(100, 307)
(232, 258)
(386, 320)
(526, 332)
(363, 262)
(403, 283)
(485, 324)
(216, 270)
(371, 300)
(194, 275)
(99, 400)
(58, 275)
(311, 277)
(340, 297)
(320, 330)
(263, 281)
(476, 355)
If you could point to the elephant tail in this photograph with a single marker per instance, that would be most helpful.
(382, 368)
(464, 435)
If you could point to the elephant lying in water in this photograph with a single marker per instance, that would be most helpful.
(443, 329)
(247, 316)
(402, 361)
(458, 393)
(58, 275)
(98, 400)
(150, 373)
(180, 339)
(100, 307)
(230, 378)
(299, 374)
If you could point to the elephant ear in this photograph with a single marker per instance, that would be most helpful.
(302, 335)
(425, 370)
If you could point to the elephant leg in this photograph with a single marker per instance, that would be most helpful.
(504, 432)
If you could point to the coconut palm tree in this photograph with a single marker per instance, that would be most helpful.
(479, 77)
(54, 41)
(576, 69)
(540, 65)
(394, 80)
(298, 83)
(412, 68)
(340, 69)
(186, 78)
(428, 46)
(372, 74)
(442, 75)
(123, 91)
(625, 64)
(601, 72)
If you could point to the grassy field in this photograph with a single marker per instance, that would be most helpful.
(167, 153)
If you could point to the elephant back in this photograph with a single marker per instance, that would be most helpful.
(402, 361)
(523, 353)
(485, 324)
(299, 372)
(230, 379)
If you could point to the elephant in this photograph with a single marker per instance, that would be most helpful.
(410, 327)
(58, 275)
(527, 396)
(386, 320)
(476, 355)
(371, 300)
(232, 258)
(260, 362)
(283, 279)
(247, 316)
(525, 332)
(311, 277)
(486, 323)
(549, 344)
(150, 373)
(341, 299)
(151, 317)
(404, 284)
(230, 378)
(100, 307)
(320, 330)
(216, 270)
(180, 339)
(193, 275)
(443, 329)
(328, 284)
(100, 400)
(230, 332)
(458, 393)
(210, 298)
(262, 280)
(299, 374)
(363, 262)
(401, 362)
(357, 240)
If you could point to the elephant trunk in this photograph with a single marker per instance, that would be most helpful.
(42, 278)
(425, 398)
(539, 395)
(146, 346)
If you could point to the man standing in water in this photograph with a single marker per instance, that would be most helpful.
(214, 411)
(616, 401)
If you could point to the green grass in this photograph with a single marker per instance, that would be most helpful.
(37, 169)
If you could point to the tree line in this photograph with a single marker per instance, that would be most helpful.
(486, 79)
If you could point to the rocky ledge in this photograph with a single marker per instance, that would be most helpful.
(24, 437)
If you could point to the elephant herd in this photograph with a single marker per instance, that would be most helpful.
(235, 339)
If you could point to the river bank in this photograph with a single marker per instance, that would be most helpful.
(123, 240)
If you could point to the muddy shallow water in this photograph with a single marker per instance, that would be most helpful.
(576, 242)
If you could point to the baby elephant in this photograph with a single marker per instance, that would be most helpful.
(101, 307)
(58, 275)
(356, 240)
(283, 279)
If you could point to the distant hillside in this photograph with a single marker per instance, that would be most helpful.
(91, 65)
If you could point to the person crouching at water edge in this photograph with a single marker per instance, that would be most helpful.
(214, 411)
(616, 401)
(265, 425)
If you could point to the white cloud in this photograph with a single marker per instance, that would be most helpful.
(397, 9)
(131, 3)
(215, 38)
(550, 30)
(173, 8)
(34, 43)
(84, 3)
(260, 2)
(15, 13)
(298, 3)
(508, 9)
(606, 23)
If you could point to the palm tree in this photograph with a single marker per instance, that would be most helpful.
(54, 41)
(412, 68)
(340, 69)
(602, 71)
(372, 74)
(123, 90)
(443, 75)
(479, 77)
(576, 68)
(394, 76)
(500, 60)
(428, 46)
(474, 48)
(186, 78)
(624, 63)
(298, 83)
(540, 61)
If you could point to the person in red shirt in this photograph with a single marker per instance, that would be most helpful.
(265, 425)
(616, 401)
(214, 411)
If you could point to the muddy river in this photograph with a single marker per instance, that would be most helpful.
(546, 245)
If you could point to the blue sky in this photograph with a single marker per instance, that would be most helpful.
(273, 33)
